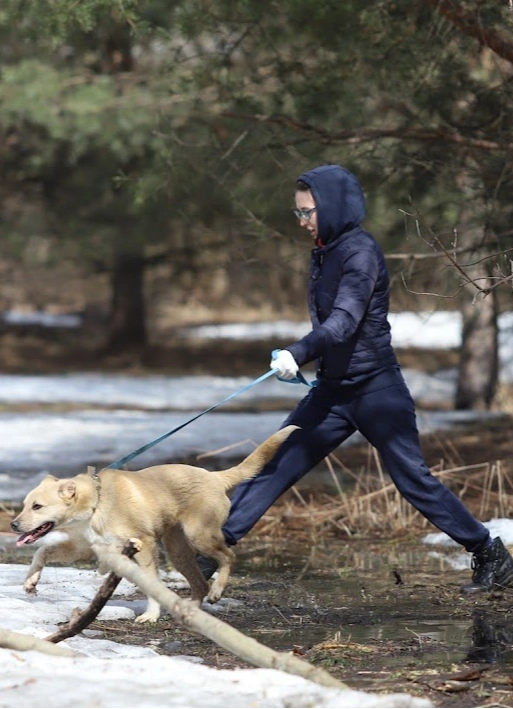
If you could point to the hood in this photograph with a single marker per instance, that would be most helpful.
(339, 200)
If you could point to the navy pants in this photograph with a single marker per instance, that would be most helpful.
(383, 411)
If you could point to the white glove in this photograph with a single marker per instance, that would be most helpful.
(286, 365)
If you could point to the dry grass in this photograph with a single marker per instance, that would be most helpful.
(373, 506)
(367, 503)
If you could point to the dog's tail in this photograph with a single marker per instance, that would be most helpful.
(254, 463)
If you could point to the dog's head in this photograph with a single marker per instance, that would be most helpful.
(54, 503)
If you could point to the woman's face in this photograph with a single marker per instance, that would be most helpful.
(306, 212)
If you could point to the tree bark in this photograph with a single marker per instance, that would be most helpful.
(479, 355)
(478, 367)
(128, 316)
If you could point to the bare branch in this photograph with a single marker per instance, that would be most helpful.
(80, 621)
(19, 641)
(421, 257)
(235, 144)
(435, 295)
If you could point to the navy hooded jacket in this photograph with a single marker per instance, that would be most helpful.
(349, 292)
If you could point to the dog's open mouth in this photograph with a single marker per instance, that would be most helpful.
(35, 534)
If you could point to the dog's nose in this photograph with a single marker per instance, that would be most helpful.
(15, 526)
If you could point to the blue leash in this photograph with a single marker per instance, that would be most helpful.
(127, 458)
(299, 379)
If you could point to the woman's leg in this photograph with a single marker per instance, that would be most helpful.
(320, 433)
(387, 419)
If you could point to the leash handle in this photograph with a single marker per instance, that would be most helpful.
(127, 458)
(298, 379)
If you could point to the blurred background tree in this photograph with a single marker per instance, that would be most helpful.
(154, 146)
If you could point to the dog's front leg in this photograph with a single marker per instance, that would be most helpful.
(147, 560)
(66, 552)
(183, 557)
(35, 570)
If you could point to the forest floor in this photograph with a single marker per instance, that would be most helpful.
(356, 594)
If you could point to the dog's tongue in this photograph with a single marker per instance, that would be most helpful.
(26, 538)
(30, 537)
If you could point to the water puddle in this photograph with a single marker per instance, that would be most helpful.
(374, 608)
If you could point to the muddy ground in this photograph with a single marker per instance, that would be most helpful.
(396, 624)
(373, 609)
(369, 628)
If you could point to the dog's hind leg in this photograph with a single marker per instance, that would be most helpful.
(212, 544)
(183, 558)
(224, 557)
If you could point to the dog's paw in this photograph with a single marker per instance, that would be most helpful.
(147, 617)
(215, 594)
(135, 543)
(31, 582)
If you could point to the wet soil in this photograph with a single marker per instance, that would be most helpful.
(397, 627)
(381, 615)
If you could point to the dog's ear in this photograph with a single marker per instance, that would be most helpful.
(91, 470)
(67, 489)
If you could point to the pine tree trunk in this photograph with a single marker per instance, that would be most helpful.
(128, 316)
(478, 367)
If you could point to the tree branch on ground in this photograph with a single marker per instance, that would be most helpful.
(193, 618)
(81, 620)
(19, 641)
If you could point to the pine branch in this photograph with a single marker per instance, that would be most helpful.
(470, 23)
(358, 136)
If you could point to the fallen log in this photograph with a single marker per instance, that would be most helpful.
(19, 641)
(193, 618)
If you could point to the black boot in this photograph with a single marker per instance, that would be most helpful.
(492, 567)
(208, 566)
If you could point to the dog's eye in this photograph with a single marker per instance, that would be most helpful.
(36, 506)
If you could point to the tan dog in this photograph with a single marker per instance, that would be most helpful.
(182, 506)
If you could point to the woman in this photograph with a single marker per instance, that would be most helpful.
(359, 383)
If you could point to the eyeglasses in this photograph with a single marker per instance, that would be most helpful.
(304, 213)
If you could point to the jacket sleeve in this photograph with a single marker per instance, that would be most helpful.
(360, 273)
